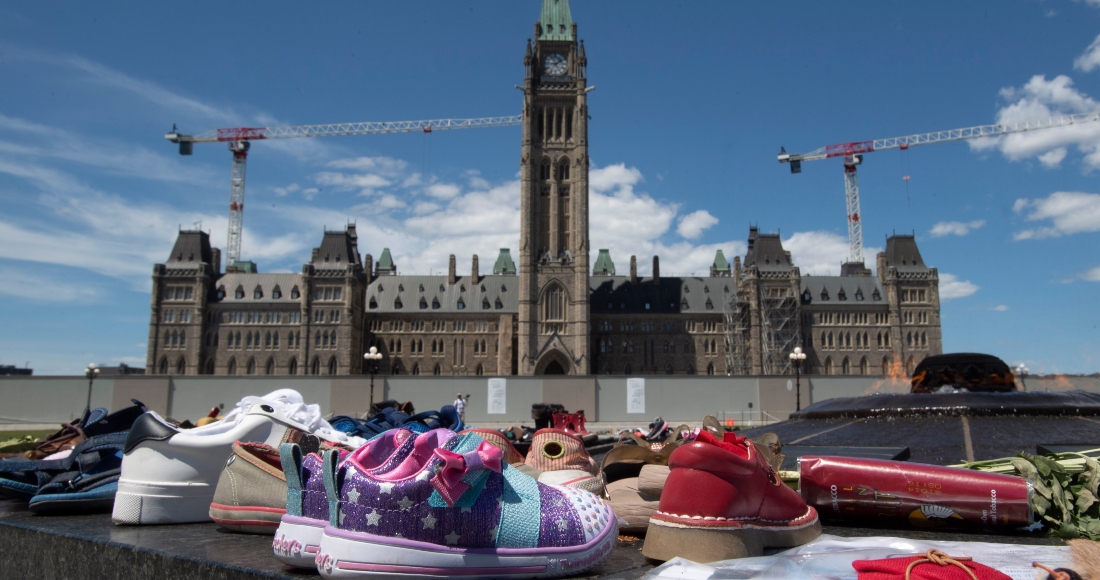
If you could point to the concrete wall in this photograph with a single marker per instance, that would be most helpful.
(677, 399)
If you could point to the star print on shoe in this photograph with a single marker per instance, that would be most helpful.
(471, 511)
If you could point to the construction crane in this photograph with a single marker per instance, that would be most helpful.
(240, 138)
(853, 156)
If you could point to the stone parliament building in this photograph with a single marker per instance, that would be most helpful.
(555, 313)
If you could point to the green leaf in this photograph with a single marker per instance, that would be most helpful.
(1085, 500)
(1092, 475)
(1024, 467)
(1041, 486)
(1039, 504)
(1068, 530)
(1044, 469)
(1050, 465)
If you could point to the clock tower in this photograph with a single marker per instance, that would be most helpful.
(553, 302)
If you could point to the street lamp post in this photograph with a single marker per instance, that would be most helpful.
(796, 358)
(372, 357)
(91, 372)
(1021, 371)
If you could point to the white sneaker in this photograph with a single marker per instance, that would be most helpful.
(169, 475)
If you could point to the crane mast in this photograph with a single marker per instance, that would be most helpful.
(853, 152)
(239, 139)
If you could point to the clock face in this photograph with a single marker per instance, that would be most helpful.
(555, 64)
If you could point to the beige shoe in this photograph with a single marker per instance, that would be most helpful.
(251, 492)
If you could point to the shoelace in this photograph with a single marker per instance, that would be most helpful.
(292, 405)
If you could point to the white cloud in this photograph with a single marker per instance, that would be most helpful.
(383, 165)
(1041, 98)
(1053, 158)
(1070, 212)
(951, 287)
(36, 143)
(693, 224)
(955, 228)
(25, 284)
(1089, 59)
(285, 191)
(423, 207)
(613, 177)
(1000, 308)
(1092, 275)
(443, 190)
(820, 253)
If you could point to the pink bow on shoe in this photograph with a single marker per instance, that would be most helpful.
(448, 482)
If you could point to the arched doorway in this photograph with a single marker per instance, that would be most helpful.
(553, 368)
(554, 362)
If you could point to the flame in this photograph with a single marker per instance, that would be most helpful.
(896, 379)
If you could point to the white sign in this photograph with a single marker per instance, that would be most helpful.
(635, 395)
(789, 385)
(497, 395)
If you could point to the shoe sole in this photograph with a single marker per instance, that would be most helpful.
(162, 503)
(298, 540)
(347, 554)
(95, 500)
(247, 519)
(670, 537)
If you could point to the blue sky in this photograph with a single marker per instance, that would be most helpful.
(692, 102)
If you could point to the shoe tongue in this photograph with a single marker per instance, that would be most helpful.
(730, 442)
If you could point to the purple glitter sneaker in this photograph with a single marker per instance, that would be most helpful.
(454, 508)
(307, 506)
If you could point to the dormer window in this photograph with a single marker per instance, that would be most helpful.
(373, 303)
(485, 304)
(503, 288)
(807, 297)
(423, 303)
(461, 287)
(397, 305)
(442, 288)
(400, 287)
(461, 304)
(421, 287)
(686, 290)
(875, 295)
(859, 294)
(482, 287)
(221, 292)
(277, 293)
(824, 294)
(841, 295)
(499, 305)
(435, 304)
(294, 293)
(710, 305)
(239, 293)
(684, 304)
(706, 289)
(257, 293)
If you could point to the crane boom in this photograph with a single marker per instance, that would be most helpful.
(852, 153)
(339, 129)
(239, 139)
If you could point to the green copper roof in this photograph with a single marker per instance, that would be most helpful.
(504, 264)
(556, 21)
(604, 266)
(385, 262)
(720, 263)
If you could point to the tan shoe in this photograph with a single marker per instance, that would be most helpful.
(251, 492)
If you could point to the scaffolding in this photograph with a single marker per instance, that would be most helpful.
(780, 328)
(737, 318)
